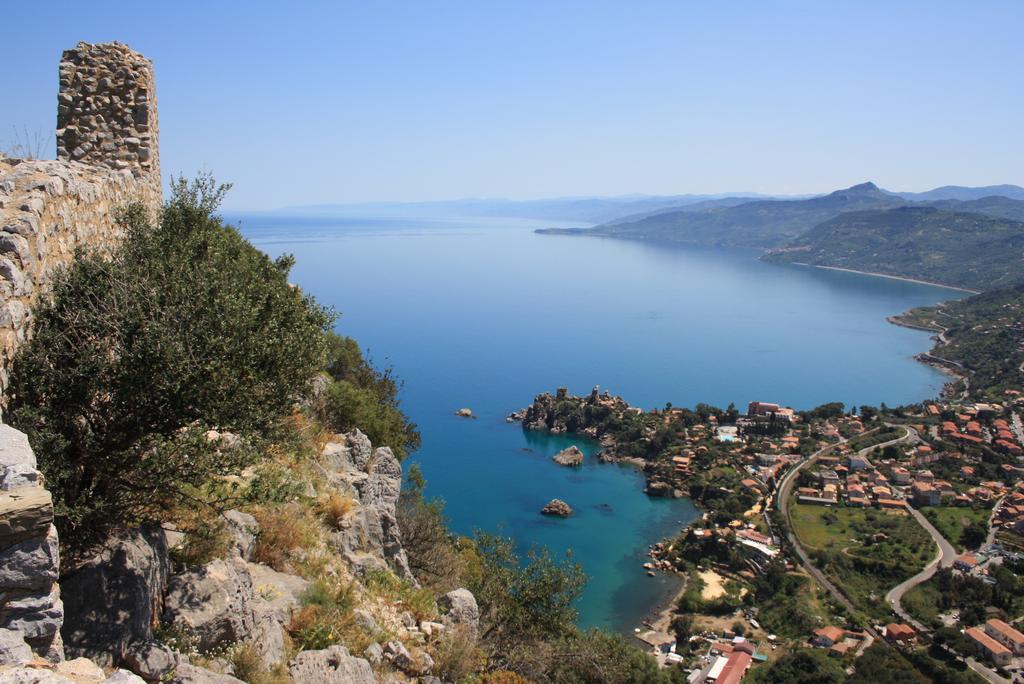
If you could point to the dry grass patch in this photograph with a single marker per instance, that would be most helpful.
(285, 530)
(334, 507)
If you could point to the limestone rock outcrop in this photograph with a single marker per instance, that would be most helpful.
(30, 602)
(333, 665)
(116, 598)
(374, 478)
(215, 603)
(461, 611)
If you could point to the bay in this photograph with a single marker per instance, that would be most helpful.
(483, 313)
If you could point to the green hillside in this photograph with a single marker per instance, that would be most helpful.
(984, 334)
(954, 248)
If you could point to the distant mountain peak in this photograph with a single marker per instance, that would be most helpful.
(867, 188)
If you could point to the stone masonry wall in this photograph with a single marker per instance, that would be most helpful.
(107, 141)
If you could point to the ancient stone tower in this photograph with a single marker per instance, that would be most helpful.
(108, 155)
(106, 109)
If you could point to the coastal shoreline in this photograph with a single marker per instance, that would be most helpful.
(896, 320)
(918, 281)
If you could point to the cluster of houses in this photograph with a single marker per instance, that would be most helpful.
(838, 641)
(997, 641)
(978, 424)
(726, 663)
(1010, 514)
(858, 484)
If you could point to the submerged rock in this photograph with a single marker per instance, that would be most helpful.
(571, 457)
(557, 507)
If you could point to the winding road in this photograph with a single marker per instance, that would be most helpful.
(945, 557)
(782, 498)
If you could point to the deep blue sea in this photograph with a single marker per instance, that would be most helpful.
(486, 314)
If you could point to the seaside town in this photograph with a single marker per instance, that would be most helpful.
(827, 534)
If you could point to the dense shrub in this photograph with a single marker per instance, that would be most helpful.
(186, 327)
(360, 396)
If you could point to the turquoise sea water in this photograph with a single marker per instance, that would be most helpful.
(487, 314)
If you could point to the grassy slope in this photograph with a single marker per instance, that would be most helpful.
(951, 520)
(865, 568)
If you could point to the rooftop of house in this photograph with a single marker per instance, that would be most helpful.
(990, 644)
(1006, 631)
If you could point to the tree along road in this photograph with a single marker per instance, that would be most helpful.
(945, 558)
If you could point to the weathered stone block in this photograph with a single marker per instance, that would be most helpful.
(30, 564)
(17, 461)
(37, 617)
(25, 512)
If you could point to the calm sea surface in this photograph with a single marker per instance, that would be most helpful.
(486, 314)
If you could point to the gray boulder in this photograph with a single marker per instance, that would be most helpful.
(365, 621)
(124, 677)
(33, 675)
(268, 637)
(330, 666)
(214, 603)
(461, 610)
(114, 599)
(17, 460)
(186, 673)
(243, 529)
(151, 660)
(37, 616)
(402, 659)
(374, 653)
(379, 494)
(13, 649)
(276, 591)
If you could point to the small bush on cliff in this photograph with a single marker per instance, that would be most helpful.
(186, 327)
(363, 397)
(434, 553)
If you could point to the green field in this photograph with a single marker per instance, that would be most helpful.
(951, 520)
(923, 602)
(884, 434)
(865, 551)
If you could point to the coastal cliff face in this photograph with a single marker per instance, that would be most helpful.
(248, 608)
(121, 603)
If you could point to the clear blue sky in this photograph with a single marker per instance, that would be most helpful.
(308, 102)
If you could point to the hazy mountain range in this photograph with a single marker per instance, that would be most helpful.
(966, 237)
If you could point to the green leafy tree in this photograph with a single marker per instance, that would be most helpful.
(802, 667)
(523, 601)
(882, 664)
(185, 327)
